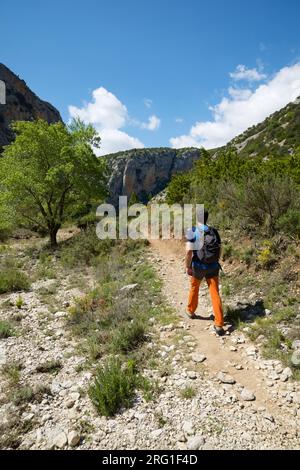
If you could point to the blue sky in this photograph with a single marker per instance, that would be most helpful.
(175, 54)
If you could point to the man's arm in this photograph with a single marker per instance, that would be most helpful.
(188, 262)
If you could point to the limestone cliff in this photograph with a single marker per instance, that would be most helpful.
(146, 172)
(21, 105)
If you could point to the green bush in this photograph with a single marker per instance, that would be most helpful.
(227, 251)
(188, 392)
(114, 387)
(22, 395)
(84, 248)
(51, 366)
(128, 337)
(247, 256)
(266, 255)
(6, 330)
(12, 280)
(289, 223)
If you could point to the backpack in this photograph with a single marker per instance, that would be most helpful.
(211, 249)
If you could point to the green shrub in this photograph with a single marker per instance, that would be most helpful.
(6, 329)
(188, 392)
(227, 251)
(226, 290)
(12, 371)
(114, 387)
(19, 302)
(51, 366)
(24, 394)
(289, 223)
(128, 337)
(247, 256)
(84, 248)
(265, 256)
(12, 280)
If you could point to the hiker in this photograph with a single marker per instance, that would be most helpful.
(204, 263)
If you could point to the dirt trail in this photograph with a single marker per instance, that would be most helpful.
(167, 257)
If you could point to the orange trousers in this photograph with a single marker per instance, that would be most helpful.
(213, 285)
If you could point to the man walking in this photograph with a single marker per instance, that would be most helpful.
(203, 262)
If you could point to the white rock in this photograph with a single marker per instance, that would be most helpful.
(198, 357)
(296, 398)
(60, 440)
(288, 372)
(188, 428)
(60, 314)
(241, 339)
(225, 378)
(247, 395)
(129, 287)
(251, 351)
(195, 443)
(192, 374)
(156, 433)
(295, 359)
(73, 438)
(296, 344)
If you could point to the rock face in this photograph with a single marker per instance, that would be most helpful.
(146, 172)
(21, 105)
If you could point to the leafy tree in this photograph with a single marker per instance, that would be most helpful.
(48, 170)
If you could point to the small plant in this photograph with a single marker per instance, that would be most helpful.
(161, 420)
(265, 256)
(27, 394)
(40, 391)
(6, 329)
(247, 256)
(149, 388)
(226, 291)
(12, 280)
(19, 302)
(24, 394)
(227, 252)
(51, 366)
(188, 392)
(12, 371)
(114, 387)
(128, 337)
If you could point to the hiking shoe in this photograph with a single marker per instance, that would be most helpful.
(190, 315)
(219, 330)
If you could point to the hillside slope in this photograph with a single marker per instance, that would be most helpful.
(21, 105)
(277, 135)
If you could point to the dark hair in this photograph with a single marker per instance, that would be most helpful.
(206, 214)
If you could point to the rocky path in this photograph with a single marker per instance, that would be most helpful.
(263, 385)
(214, 393)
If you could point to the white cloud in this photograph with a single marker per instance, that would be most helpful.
(115, 140)
(148, 103)
(152, 124)
(108, 115)
(178, 120)
(239, 93)
(242, 109)
(251, 75)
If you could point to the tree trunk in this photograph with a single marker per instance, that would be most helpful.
(53, 236)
